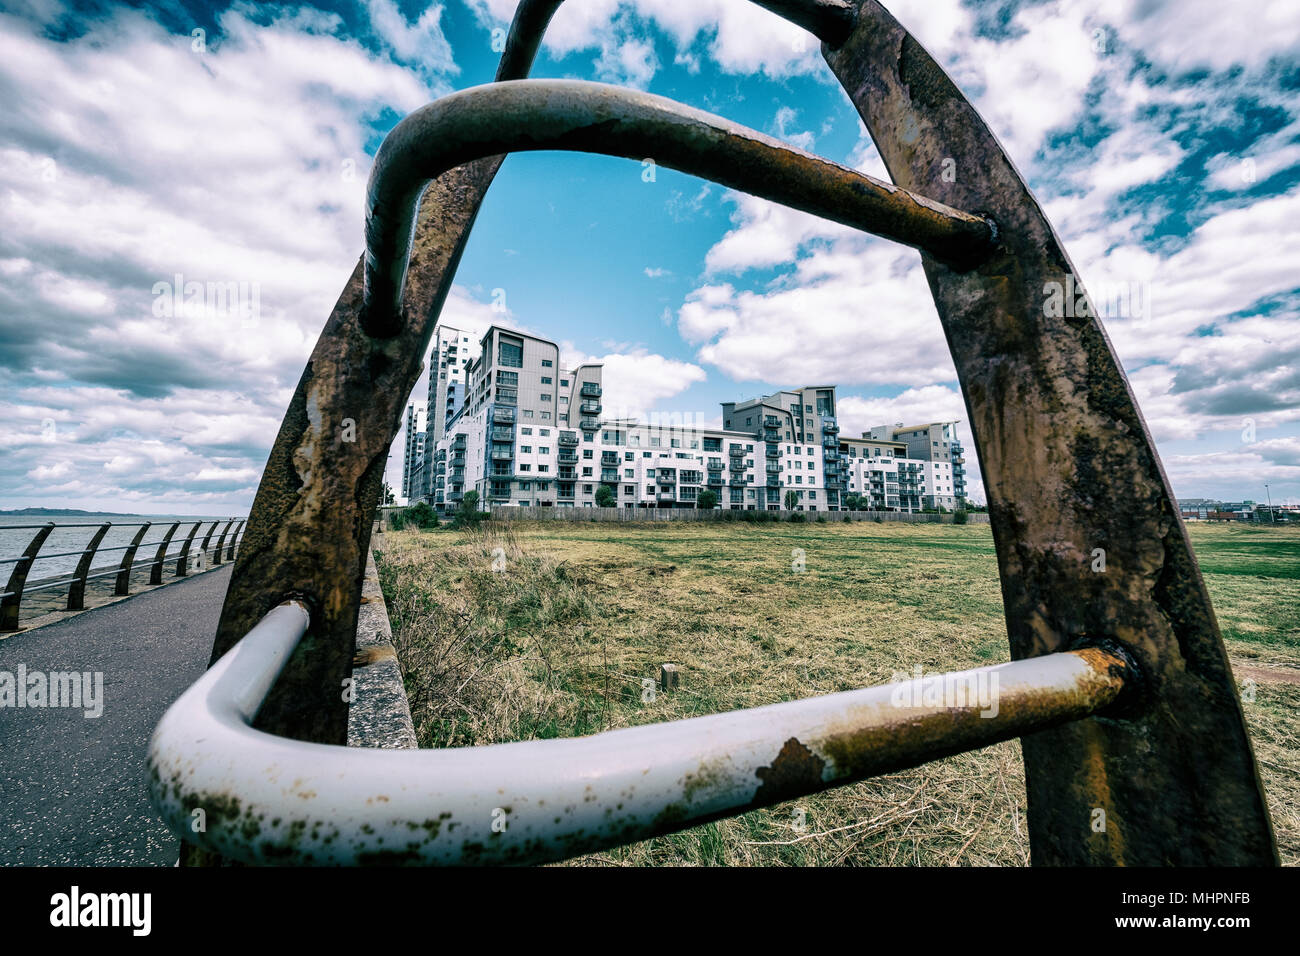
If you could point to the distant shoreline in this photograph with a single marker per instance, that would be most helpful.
(67, 513)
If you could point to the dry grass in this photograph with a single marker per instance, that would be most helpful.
(558, 643)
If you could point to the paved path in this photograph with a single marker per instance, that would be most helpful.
(72, 788)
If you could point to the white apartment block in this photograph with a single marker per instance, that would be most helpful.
(936, 444)
(529, 433)
(453, 351)
(413, 459)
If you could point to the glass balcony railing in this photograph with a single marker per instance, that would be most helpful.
(590, 390)
(589, 408)
(568, 439)
(500, 414)
(589, 424)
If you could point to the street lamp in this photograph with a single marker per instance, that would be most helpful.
(1272, 517)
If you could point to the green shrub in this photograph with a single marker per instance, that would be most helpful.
(821, 519)
(796, 517)
(959, 517)
(421, 516)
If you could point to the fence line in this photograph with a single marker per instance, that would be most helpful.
(533, 512)
(18, 583)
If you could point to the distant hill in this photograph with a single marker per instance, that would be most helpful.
(66, 513)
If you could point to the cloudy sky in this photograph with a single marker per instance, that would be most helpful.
(146, 147)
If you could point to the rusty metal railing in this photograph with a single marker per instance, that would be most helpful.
(20, 583)
(271, 800)
(1069, 469)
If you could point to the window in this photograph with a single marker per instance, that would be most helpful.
(547, 363)
(546, 380)
(543, 468)
(564, 383)
(525, 467)
(629, 456)
(629, 489)
(510, 352)
(507, 378)
(546, 396)
(528, 413)
(544, 433)
(586, 472)
(629, 473)
(543, 449)
(587, 453)
(525, 431)
(546, 416)
(525, 486)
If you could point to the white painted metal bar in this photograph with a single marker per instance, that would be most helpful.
(267, 799)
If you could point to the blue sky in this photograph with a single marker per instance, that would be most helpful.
(1162, 137)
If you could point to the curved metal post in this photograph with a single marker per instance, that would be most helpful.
(221, 541)
(183, 562)
(77, 589)
(234, 540)
(207, 538)
(156, 566)
(1070, 472)
(13, 596)
(123, 583)
(527, 115)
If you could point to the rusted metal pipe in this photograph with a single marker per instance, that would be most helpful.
(528, 115)
(831, 21)
(269, 799)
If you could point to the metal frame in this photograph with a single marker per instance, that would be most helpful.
(1067, 460)
(269, 800)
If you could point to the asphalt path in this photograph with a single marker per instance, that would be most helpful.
(72, 787)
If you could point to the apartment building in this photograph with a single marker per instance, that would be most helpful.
(528, 432)
(413, 459)
(936, 444)
(800, 434)
(450, 357)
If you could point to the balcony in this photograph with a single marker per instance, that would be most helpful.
(771, 434)
(507, 396)
(739, 480)
(568, 456)
(564, 491)
(773, 481)
(568, 439)
(832, 454)
(590, 390)
(503, 433)
(773, 468)
(455, 495)
(609, 458)
(567, 473)
(830, 426)
(691, 477)
(715, 479)
(666, 496)
(609, 475)
(773, 451)
(734, 449)
(458, 442)
(715, 464)
(502, 454)
(589, 408)
(771, 421)
(589, 424)
(500, 414)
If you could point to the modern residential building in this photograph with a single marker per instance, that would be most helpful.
(526, 431)
(450, 357)
(413, 457)
(937, 444)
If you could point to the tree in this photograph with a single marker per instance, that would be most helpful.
(605, 497)
(420, 515)
(708, 499)
(853, 503)
(791, 500)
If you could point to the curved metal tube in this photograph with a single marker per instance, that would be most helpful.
(268, 799)
(528, 115)
(831, 21)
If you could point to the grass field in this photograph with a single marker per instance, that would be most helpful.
(559, 644)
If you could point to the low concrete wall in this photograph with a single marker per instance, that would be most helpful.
(380, 715)
(516, 513)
